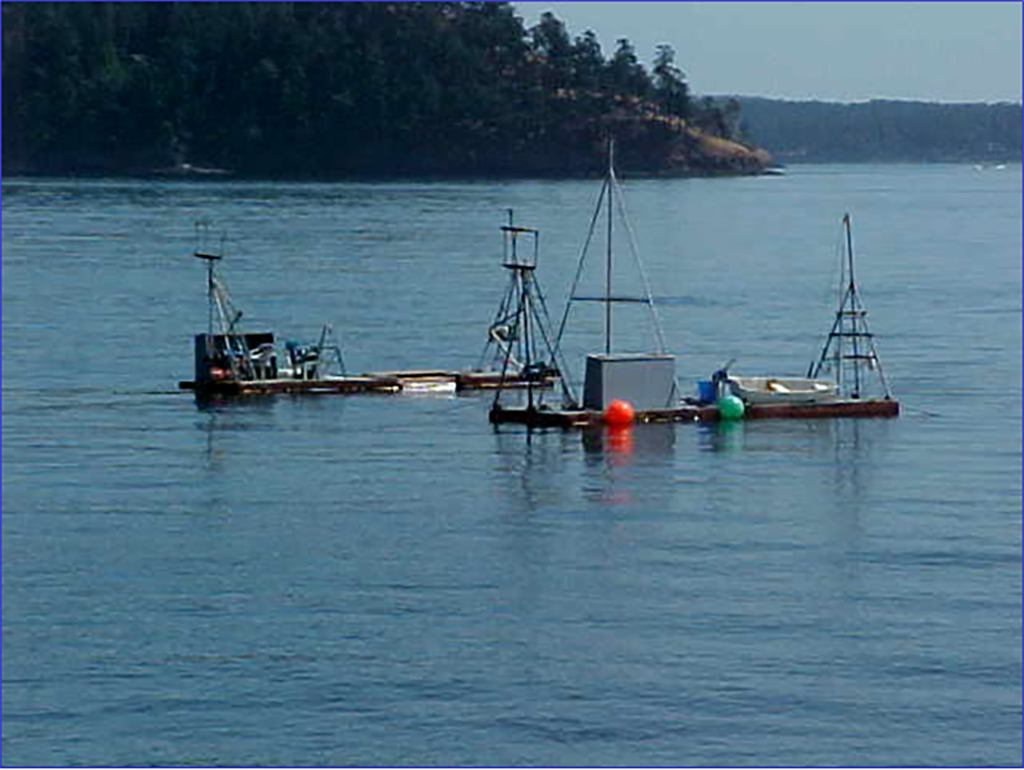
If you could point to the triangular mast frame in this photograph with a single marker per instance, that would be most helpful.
(610, 200)
(850, 345)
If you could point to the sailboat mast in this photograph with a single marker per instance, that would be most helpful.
(608, 266)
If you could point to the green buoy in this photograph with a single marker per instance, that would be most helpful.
(730, 408)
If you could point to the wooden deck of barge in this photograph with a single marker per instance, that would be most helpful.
(377, 382)
(540, 417)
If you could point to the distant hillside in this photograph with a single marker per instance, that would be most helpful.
(331, 89)
(883, 131)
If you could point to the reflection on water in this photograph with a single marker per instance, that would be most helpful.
(618, 460)
(825, 473)
(214, 404)
(844, 440)
(548, 468)
(721, 436)
(853, 448)
(261, 412)
(620, 445)
(219, 417)
(433, 590)
(531, 465)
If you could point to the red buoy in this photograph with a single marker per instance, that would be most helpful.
(619, 413)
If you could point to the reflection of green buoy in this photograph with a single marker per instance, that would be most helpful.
(730, 408)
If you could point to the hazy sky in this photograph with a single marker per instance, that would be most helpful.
(841, 51)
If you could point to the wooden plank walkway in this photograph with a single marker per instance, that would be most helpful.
(376, 382)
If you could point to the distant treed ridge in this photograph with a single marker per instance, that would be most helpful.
(884, 131)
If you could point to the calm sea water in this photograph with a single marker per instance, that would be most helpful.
(390, 581)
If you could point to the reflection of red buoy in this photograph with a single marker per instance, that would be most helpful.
(619, 413)
(619, 442)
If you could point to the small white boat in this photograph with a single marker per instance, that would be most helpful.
(428, 386)
(782, 390)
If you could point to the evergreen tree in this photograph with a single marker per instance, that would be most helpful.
(670, 86)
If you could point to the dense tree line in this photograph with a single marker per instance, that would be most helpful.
(884, 131)
(329, 89)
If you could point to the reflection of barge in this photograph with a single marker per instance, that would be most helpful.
(231, 362)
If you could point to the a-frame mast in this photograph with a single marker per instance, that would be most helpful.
(850, 324)
(609, 200)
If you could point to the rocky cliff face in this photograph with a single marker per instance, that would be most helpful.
(715, 154)
(653, 143)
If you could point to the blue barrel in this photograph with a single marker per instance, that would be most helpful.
(707, 391)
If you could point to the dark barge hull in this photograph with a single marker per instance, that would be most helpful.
(558, 418)
(383, 382)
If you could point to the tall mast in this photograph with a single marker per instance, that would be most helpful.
(608, 266)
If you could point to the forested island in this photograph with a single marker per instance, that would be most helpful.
(333, 90)
(336, 90)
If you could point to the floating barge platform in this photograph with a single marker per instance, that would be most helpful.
(620, 389)
(542, 417)
(230, 362)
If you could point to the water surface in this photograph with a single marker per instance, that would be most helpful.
(377, 580)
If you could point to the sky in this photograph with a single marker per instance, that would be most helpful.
(832, 51)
